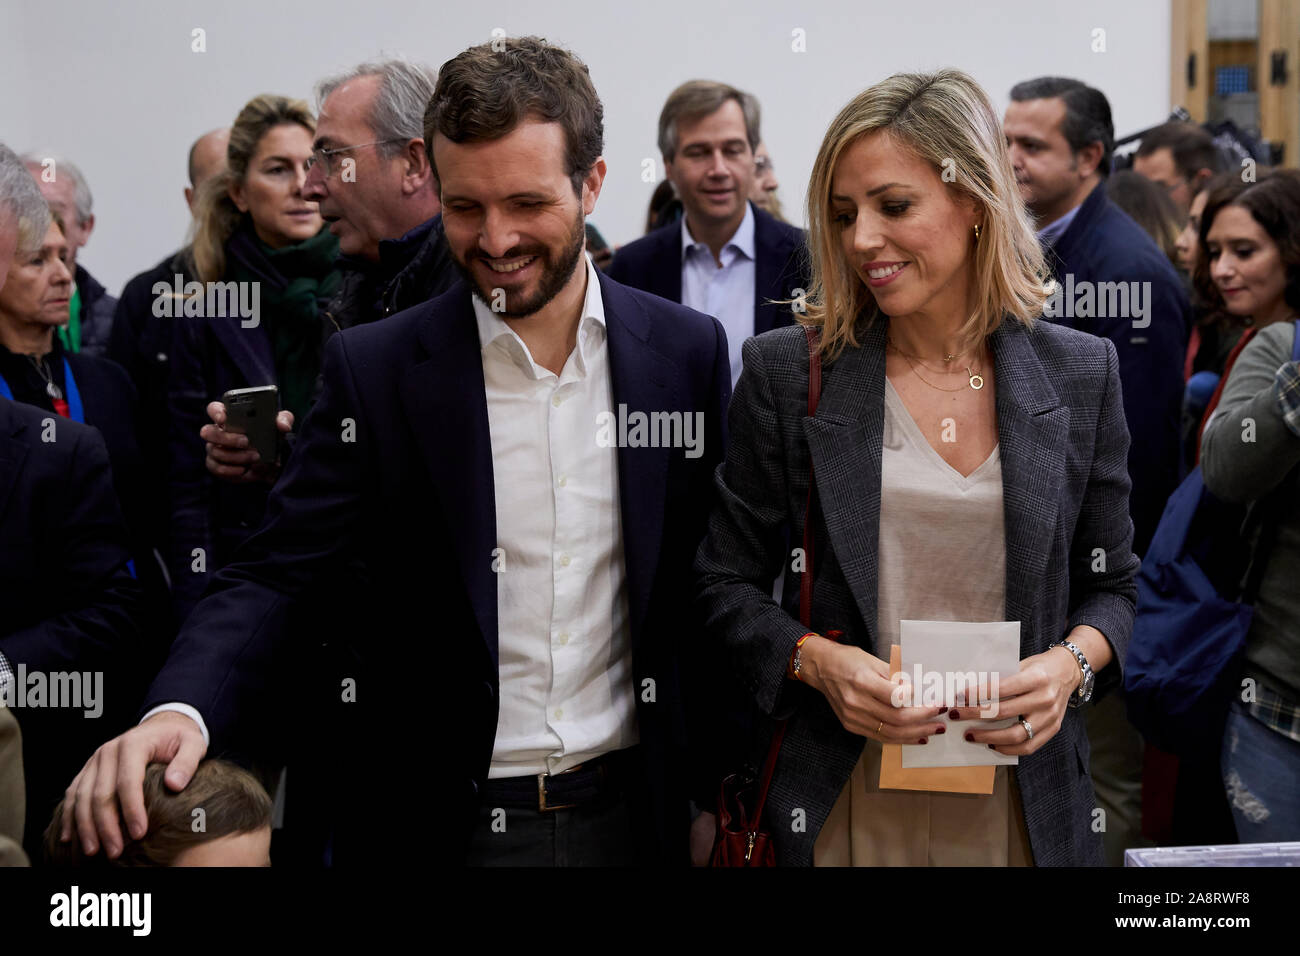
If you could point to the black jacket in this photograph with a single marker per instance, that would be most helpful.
(96, 313)
(69, 603)
(1103, 245)
(142, 344)
(412, 269)
(109, 403)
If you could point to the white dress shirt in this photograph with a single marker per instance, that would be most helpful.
(564, 641)
(725, 292)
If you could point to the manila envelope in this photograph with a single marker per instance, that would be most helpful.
(943, 779)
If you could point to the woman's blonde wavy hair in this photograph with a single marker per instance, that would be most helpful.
(943, 116)
(216, 215)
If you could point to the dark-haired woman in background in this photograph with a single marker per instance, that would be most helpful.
(1250, 453)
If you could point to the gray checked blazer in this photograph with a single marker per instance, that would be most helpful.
(1063, 449)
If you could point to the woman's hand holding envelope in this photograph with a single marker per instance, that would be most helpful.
(859, 690)
(1038, 694)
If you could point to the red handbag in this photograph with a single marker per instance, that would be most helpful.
(741, 839)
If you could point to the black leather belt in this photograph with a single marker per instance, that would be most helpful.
(588, 783)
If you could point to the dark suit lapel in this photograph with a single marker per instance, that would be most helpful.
(666, 272)
(641, 380)
(1032, 430)
(771, 252)
(249, 349)
(446, 402)
(844, 440)
(12, 453)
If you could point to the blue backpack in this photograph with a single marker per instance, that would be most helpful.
(1196, 589)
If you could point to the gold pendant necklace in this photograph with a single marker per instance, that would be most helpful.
(973, 377)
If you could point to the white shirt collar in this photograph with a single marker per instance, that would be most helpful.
(742, 240)
(494, 332)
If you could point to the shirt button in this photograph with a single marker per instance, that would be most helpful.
(555, 400)
(564, 560)
(559, 713)
(562, 481)
(563, 638)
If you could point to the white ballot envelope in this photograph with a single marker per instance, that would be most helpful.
(940, 660)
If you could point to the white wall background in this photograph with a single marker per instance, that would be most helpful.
(116, 87)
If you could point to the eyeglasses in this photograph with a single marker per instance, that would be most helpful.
(762, 165)
(324, 156)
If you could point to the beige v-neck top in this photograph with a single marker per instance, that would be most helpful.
(943, 550)
(942, 558)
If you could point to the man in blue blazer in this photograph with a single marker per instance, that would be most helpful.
(726, 257)
(509, 483)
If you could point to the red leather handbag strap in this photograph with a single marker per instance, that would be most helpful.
(1218, 392)
(806, 580)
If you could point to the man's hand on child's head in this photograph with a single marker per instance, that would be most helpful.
(113, 777)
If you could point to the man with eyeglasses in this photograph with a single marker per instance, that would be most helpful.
(373, 182)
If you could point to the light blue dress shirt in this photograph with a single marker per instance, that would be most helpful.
(725, 292)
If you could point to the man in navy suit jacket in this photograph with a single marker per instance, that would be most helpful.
(527, 680)
(726, 257)
(1114, 280)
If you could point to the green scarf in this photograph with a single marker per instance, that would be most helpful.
(70, 334)
(296, 282)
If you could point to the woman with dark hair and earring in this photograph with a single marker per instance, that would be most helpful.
(970, 465)
(1249, 265)
(253, 228)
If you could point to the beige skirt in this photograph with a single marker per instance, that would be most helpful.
(873, 827)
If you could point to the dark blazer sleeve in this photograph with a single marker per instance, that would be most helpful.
(717, 711)
(221, 662)
(745, 546)
(81, 544)
(188, 482)
(1104, 595)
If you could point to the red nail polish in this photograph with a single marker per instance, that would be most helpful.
(941, 730)
(954, 714)
(970, 737)
(992, 747)
(923, 740)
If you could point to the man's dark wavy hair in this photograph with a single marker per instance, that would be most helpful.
(484, 93)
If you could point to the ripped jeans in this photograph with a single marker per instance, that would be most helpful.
(1261, 773)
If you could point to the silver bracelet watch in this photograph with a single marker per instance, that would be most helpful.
(1084, 693)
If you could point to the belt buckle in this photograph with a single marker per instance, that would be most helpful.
(542, 805)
